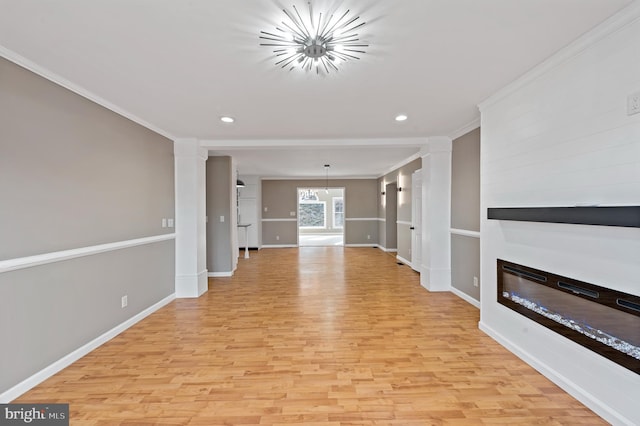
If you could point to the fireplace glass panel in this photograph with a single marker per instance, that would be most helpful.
(588, 314)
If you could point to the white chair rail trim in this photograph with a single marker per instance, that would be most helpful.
(57, 256)
(465, 232)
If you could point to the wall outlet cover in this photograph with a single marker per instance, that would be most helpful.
(633, 103)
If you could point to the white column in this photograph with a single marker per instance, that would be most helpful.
(191, 248)
(436, 214)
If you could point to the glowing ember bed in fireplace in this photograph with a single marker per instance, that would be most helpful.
(603, 320)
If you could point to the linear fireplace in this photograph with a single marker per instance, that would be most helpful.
(603, 320)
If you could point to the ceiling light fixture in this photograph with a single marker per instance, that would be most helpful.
(401, 117)
(321, 42)
(227, 119)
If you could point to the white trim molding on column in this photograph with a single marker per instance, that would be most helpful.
(436, 214)
(190, 169)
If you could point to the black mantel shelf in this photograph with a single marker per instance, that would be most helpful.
(628, 216)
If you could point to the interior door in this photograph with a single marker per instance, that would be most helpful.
(416, 220)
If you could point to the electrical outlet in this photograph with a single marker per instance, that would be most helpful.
(633, 103)
(221, 218)
(277, 237)
(170, 223)
(368, 237)
(475, 281)
(124, 301)
(292, 214)
(266, 209)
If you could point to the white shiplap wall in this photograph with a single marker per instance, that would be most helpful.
(561, 136)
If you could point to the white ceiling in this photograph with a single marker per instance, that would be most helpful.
(177, 66)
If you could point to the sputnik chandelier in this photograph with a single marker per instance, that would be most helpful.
(321, 42)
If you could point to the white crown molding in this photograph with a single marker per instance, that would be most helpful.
(310, 143)
(323, 178)
(72, 357)
(57, 256)
(78, 90)
(613, 24)
(403, 162)
(465, 129)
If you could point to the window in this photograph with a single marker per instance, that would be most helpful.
(312, 214)
(338, 212)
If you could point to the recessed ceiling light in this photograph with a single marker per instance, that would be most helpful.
(227, 119)
(401, 117)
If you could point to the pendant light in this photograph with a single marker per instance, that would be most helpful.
(326, 188)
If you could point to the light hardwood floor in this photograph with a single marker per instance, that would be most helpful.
(317, 335)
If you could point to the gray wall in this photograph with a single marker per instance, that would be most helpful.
(219, 186)
(74, 174)
(465, 212)
(392, 235)
(279, 197)
(51, 310)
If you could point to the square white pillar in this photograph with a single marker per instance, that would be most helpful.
(190, 223)
(436, 214)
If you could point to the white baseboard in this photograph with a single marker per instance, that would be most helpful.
(435, 279)
(361, 245)
(279, 246)
(465, 297)
(386, 250)
(69, 359)
(220, 274)
(191, 285)
(404, 261)
(603, 410)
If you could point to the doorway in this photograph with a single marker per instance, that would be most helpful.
(320, 217)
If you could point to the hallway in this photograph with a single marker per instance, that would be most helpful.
(324, 335)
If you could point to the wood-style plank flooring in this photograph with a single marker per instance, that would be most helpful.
(317, 335)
